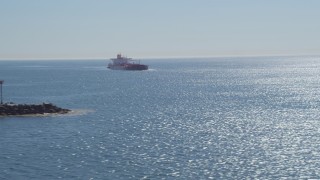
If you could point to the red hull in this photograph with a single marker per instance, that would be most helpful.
(135, 67)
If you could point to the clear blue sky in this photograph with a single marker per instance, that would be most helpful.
(157, 28)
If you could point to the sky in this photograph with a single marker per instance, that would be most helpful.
(82, 29)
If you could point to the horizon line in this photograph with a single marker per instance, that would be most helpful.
(158, 57)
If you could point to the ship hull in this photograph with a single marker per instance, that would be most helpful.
(129, 67)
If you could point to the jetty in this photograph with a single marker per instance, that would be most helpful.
(10, 109)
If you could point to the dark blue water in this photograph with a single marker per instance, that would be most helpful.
(218, 118)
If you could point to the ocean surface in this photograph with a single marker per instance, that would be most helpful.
(210, 118)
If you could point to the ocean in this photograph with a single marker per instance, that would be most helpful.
(196, 118)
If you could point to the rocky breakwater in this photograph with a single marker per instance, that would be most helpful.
(30, 109)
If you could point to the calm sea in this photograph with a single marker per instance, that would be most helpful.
(215, 118)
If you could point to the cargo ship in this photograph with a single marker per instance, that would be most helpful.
(124, 63)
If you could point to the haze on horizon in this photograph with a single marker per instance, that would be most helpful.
(144, 28)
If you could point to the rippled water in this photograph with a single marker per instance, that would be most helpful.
(218, 118)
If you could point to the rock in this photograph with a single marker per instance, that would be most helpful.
(24, 109)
